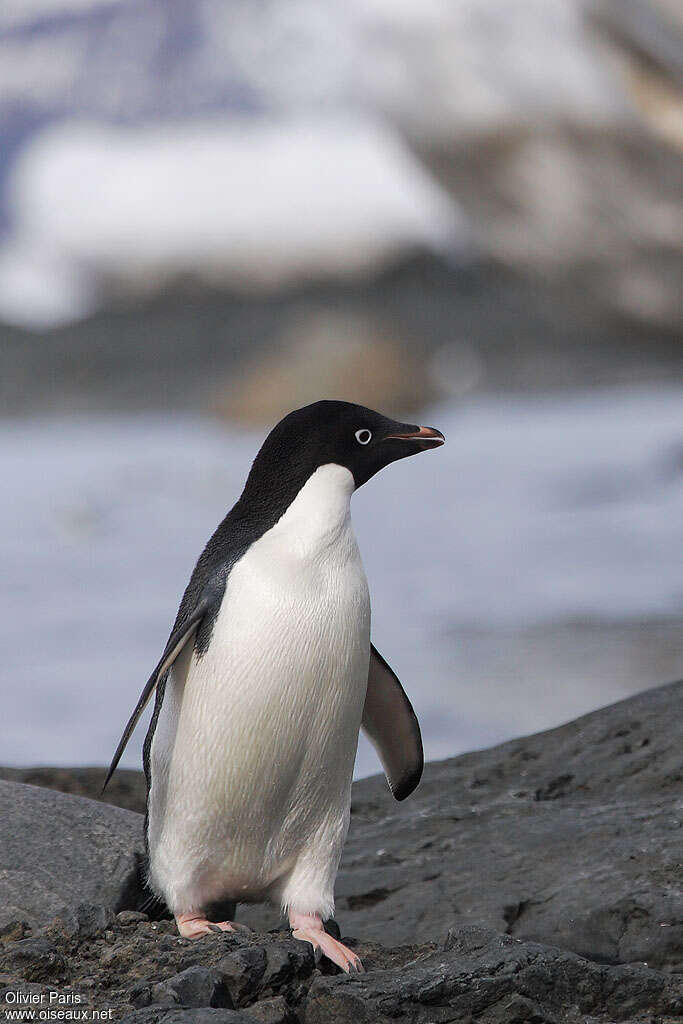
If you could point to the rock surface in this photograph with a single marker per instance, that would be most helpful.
(484, 976)
(58, 850)
(126, 789)
(572, 837)
(145, 973)
(539, 881)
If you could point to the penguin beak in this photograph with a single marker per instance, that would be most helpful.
(423, 437)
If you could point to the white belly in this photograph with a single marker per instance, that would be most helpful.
(252, 757)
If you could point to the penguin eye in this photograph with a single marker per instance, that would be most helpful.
(363, 436)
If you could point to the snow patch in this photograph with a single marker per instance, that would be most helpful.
(239, 204)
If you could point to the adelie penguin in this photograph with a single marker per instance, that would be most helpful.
(265, 682)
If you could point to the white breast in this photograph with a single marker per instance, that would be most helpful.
(253, 753)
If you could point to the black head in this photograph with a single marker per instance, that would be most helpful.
(348, 435)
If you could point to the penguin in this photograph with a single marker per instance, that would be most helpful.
(265, 682)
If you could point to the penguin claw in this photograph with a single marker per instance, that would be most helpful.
(193, 926)
(309, 928)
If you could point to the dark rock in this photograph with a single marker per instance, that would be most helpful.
(30, 996)
(146, 965)
(270, 1011)
(488, 977)
(251, 970)
(140, 994)
(31, 960)
(13, 931)
(592, 864)
(555, 859)
(83, 920)
(196, 986)
(130, 917)
(127, 788)
(205, 1015)
(58, 850)
(243, 971)
(287, 960)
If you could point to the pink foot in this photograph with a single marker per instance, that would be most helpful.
(191, 926)
(309, 928)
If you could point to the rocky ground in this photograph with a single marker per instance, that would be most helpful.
(539, 881)
(433, 330)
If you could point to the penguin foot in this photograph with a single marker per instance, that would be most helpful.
(192, 926)
(309, 928)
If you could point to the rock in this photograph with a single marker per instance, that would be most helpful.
(205, 1015)
(495, 979)
(243, 971)
(144, 966)
(538, 882)
(329, 353)
(130, 917)
(13, 931)
(512, 333)
(31, 960)
(270, 1011)
(287, 960)
(84, 920)
(126, 789)
(646, 39)
(30, 996)
(557, 205)
(249, 971)
(195, 986)
(570, 837)
(61, 851)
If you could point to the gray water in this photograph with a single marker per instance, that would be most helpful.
(527, 572)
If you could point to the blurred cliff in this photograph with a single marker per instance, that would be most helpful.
(229, 206)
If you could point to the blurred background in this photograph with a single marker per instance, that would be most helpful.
(466, 213)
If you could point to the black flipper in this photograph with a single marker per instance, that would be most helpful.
(392, 727)
(179, 637)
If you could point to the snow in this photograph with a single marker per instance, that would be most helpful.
(239, 203)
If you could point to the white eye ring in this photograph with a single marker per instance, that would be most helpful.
(363, 436)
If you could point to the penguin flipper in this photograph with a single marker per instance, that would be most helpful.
(177, 640)
(392, 727)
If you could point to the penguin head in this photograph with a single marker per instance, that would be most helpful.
(360, 439)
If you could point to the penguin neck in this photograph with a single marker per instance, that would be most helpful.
(320, 514)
